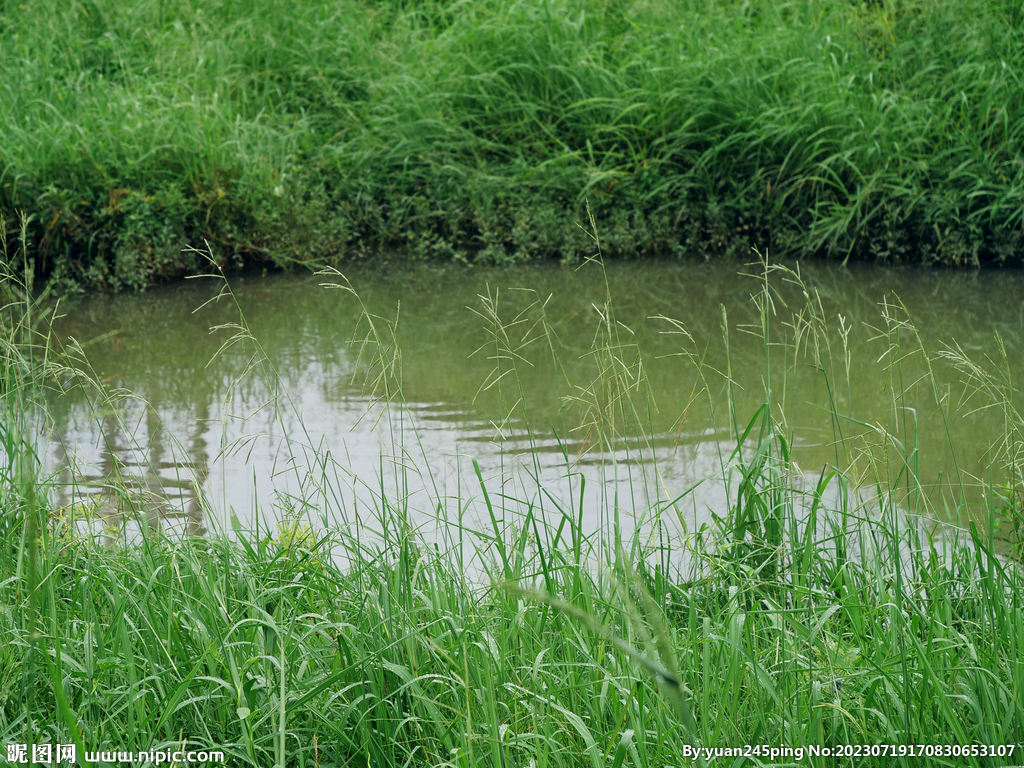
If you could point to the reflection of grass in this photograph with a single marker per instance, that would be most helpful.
(804, 616)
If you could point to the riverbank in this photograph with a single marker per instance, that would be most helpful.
(297, 132)
(804, 616)
(793, 638)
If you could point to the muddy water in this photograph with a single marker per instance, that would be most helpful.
(366, 405)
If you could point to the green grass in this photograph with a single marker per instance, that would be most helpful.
(296, 131)
(528, 642)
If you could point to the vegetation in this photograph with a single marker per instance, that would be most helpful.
(807, 615)
(295, 131)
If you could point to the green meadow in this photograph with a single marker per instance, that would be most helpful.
(294, 131)
(826, 612)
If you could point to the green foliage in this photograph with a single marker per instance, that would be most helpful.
(296, 131)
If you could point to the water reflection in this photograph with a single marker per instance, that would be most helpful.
(115, 478)
(241, 433)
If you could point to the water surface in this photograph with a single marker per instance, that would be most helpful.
(287, 397)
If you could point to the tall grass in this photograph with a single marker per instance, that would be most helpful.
(28, 673)
(809, 613)
(301, 131)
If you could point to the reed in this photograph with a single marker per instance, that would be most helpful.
(806, 615)
(455, 130)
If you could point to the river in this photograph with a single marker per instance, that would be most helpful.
(388, 393)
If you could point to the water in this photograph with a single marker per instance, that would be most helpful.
(349, 409)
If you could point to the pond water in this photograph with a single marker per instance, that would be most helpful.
(285, 396)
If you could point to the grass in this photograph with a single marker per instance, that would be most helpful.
(299, 131)
(821, 613)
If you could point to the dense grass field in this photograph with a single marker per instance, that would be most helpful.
(295, 130)
(808, 615)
